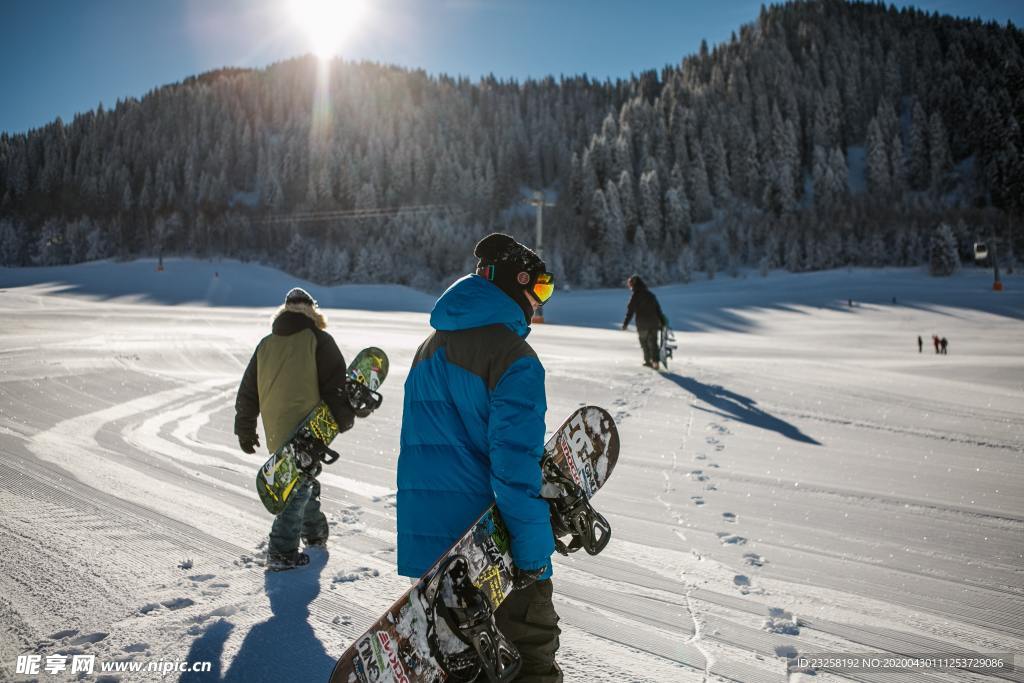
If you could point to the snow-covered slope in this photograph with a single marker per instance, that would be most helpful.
(801, 481)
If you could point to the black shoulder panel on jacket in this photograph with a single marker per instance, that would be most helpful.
(487, 352)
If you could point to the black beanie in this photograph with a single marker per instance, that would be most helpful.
(515, 266)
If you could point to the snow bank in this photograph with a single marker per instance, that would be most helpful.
(213, 283)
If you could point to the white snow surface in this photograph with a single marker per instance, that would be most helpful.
(802, 480)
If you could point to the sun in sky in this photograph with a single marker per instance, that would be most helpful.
(327, 23)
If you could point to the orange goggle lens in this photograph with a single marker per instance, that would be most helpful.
(544, 287)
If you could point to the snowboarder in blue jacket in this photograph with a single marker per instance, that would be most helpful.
(473, 434)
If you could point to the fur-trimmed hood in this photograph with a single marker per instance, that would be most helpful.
(314, 314)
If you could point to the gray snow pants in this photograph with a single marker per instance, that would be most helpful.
(300, 517)
(650, 343)
(527, 617)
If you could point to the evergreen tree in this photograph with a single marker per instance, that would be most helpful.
(944, 257)
(919, 159)
(878, 165)
(650, 207)
(940, 159)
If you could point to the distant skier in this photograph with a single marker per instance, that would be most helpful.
(473, 434)
(920, 344)
(292, 369)
(649, 318)
(935, 342)
(944, 344)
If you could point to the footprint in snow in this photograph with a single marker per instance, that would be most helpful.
(711, 487)
(700, 456)
(742, 582)
(715, 443)
(697, 500)
(177, 603)
(61, 635)
(787, 651)
(781, 621)
(356, 574)
(729, 517)
(730, 539)
(136, 647)
(720, 429)
(87, 638)
(698, 475)
(342, 619)
(199, 578)
(754, 560)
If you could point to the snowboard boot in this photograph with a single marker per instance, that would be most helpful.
(316, 543)
(281, 562)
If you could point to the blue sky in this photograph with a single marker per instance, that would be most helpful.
(60, 57)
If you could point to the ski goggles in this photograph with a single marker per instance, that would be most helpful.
(543, 286)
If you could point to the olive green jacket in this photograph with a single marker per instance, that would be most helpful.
(292, 369)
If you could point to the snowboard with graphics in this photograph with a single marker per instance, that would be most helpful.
(666, 346)
(307, 447)
(412, 643)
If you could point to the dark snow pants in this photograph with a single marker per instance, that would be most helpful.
(527, 617)
(650, 344)
(300, 517)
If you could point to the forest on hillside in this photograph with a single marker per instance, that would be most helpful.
(823, 134)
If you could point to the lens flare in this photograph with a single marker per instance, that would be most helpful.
(327, 23)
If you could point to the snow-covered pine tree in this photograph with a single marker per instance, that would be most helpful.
(650, 208)
(919, 157)
(944, 257)
(879, 180)
(939, 156)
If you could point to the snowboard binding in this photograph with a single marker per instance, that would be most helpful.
(311, 453)
(467, 613)
(362, 398)
(573, 515)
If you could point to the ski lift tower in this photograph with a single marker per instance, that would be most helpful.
(982, 252)
(538, 201)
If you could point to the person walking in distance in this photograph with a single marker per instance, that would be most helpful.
(473, 434)
(649, 318)
(920, 344)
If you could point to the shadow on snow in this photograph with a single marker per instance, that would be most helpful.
(282, 648)
(729, 404)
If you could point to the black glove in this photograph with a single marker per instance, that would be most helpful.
(521, 578)
(248, 442)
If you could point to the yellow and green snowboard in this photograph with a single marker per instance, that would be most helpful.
(308, 446)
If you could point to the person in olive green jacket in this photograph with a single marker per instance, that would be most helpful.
(292, 369)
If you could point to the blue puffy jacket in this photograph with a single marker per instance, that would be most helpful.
(473, 431)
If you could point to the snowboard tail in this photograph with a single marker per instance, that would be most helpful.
(667, 345)
(443, 627)
(309, 445)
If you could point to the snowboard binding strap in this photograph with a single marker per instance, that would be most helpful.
(573, 515)
(362, 398)
(310, 452)
(467, 613)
